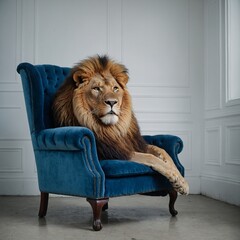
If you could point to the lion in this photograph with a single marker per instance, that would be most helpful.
(95, 95)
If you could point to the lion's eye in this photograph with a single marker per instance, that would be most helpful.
(115, 89)
(97, 89)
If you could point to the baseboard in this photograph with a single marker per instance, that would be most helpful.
(194, 184)
(19, 186)
(220, 188)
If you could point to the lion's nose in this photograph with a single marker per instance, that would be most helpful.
(111, 102)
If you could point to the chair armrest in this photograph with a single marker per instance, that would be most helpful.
(62, 138)
(67, 162)
(173, 145)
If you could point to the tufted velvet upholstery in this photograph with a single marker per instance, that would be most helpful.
(66, 157)
(51, 77)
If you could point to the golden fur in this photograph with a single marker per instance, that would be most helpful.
(95, 96)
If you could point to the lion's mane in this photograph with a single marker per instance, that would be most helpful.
(117, 141)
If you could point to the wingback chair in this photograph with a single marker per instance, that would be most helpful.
(66, 157)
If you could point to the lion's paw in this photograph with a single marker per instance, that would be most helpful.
(183, 190)
(179, 183)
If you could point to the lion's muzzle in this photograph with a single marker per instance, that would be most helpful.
(111, 103)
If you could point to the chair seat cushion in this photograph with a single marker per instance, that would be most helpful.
(124, 168)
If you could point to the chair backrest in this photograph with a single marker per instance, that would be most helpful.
(40, 83)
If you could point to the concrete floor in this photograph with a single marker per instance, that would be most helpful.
(128, 218)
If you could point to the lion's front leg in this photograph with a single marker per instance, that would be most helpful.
(164, 156)
(164, 165)
(161, 154)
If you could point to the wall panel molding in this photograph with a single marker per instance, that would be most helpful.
(213, 146)
(161, 52)
(114, 29)
(19, 38)
(164, 105)
(232, 134)
(234, 111)
(19, 186)
(213, 55)
(91, 35)
(221, 188)
(165, 120)
(11, 44)
(16, 161)
(10, 99)
(232, 17)
(11, 160)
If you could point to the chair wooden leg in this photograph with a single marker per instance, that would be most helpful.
(105, 207)
(173, 197)
(43, 204)
(97, 205)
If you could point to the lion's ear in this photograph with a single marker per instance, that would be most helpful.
(120, 73)
(122, 79)
(77, 77)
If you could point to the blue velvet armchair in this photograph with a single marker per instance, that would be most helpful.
(66, 157)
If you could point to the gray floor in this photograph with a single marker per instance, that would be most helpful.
(133, 218)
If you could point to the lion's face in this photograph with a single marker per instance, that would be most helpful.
(102, 96)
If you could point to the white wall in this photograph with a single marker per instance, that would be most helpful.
(160, 41)
(220, 177)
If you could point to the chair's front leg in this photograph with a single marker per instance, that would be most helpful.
(173, 197)
(97, 205)
(43, 204)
